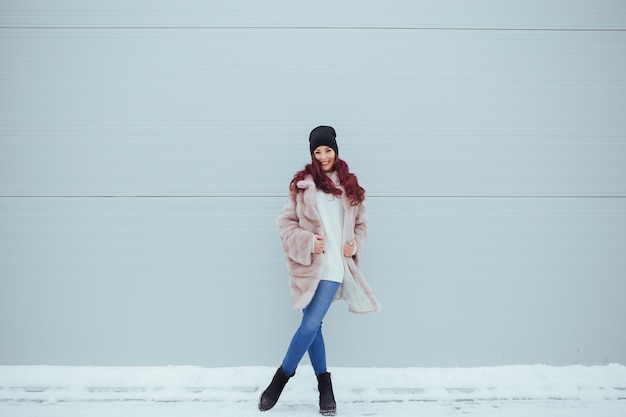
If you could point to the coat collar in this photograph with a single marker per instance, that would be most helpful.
(308, 185)
(308, 182)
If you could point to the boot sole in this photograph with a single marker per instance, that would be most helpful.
(265, 408)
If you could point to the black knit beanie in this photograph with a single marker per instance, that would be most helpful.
(323, 135)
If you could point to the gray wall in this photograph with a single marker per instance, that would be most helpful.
(146, 148)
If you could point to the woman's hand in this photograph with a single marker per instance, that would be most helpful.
(349, 249)
(318, 247)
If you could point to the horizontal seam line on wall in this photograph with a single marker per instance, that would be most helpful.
(283, 196)
(399, 28)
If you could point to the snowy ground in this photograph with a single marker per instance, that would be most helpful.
(509, 391)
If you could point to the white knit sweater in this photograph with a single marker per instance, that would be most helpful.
(331, 210)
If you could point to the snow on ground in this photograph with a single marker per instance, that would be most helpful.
(183, 391)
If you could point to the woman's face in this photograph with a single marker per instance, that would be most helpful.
(326, 156)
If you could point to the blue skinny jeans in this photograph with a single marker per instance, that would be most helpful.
(309, 337)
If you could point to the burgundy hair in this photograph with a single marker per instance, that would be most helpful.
(348, 180)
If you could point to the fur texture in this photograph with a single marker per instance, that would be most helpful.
(297, 224)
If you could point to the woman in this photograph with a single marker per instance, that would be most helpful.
(322, 229)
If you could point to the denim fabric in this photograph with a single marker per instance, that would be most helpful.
(309, 337)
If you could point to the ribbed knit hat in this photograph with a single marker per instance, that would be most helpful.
(323, 136)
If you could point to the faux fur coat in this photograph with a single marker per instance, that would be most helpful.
(297, 224)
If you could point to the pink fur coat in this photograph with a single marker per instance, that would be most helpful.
(297, 224)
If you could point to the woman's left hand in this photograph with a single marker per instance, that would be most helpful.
(349, 249)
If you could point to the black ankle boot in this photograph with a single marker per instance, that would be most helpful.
(272, 393)
(328, 406)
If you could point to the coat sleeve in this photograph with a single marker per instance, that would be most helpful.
(295, 240)
(360, 230)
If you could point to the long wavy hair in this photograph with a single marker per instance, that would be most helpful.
(347, 180)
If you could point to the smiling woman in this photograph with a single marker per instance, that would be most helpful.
(326, 157)
(323, 146)
(322, 227)
(325, 160)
